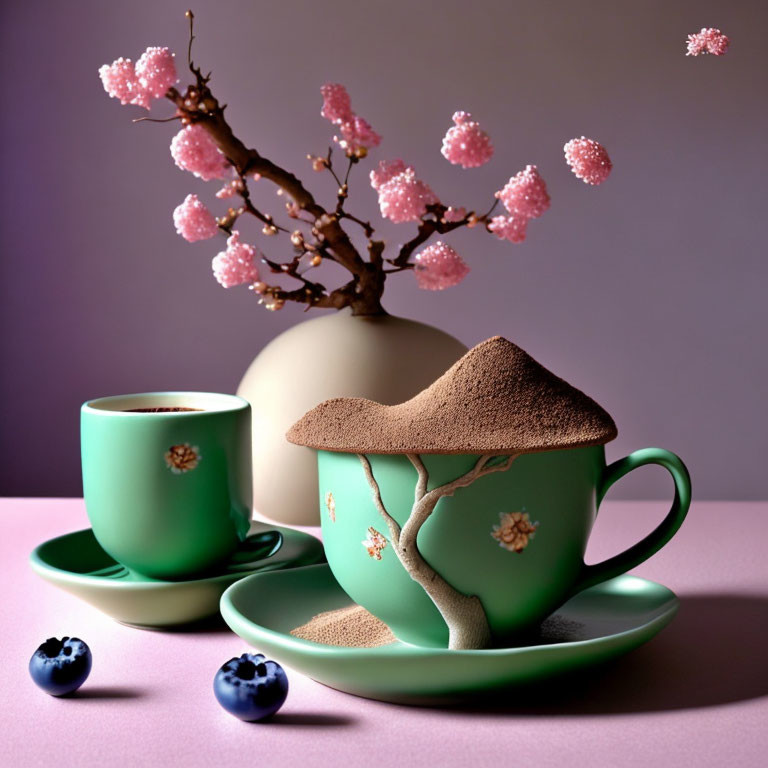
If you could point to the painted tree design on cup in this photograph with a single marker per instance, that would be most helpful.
(464, 614)
(495, 404)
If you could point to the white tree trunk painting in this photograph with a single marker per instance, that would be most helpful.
(464, 614)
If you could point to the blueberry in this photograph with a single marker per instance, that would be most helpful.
(250, 687)
(60, 666)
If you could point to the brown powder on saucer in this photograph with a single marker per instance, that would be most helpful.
(352, 627)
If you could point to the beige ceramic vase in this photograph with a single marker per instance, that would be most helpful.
(382, 358)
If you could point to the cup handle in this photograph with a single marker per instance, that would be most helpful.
(659, 536)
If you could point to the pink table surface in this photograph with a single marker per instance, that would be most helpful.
(694, 696)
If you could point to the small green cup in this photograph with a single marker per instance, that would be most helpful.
(167, 479)
(514, 539)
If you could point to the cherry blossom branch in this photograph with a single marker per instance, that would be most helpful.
(199, 106)
(437, 225)
(291, 269)
(427, 228)
(208, 147)
(343, 188)
(270, 228)
(366, 225)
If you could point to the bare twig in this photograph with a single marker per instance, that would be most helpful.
(191, 17)
(366, 225)
(155, 119)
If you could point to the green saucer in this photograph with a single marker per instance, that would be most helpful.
(596, 625)
(76, 563)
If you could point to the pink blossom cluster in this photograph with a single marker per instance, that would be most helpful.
(438, 267)
(525, 194)
(466, 144)
(525, 197)
(337, 106)
(386, 171)
(512, 228)
(153, 74)
(356, 132)
(402, 196)
(236, 265)
(588, 159)
(195, 151)
(709, 40)
(194, 221)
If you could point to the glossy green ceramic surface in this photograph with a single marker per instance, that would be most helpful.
(558, 490)
(594, 626)
(158, 519)
(77, 564)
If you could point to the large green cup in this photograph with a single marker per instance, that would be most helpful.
(479, 539)
(168, 493)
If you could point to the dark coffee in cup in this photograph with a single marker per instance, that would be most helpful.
(173, 409)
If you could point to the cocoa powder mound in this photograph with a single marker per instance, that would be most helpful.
(496, 399)
(352, 627)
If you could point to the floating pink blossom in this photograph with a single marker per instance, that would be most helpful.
(709, 40)
(454, 214)
(156, 71)
(466, 144)
(194, 221)
(120, 82)
(589, 160)
(236, 265)
(195, 151)
(405, 198)
(387, 170)
(525, 194)
(438, 267)
(357, 133)
(336, 103)
(512, 228)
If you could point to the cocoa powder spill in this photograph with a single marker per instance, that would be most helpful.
(352, 627)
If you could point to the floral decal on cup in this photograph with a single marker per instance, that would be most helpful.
(330, 504)
(182, 458)
(374, 543)
(514, 531)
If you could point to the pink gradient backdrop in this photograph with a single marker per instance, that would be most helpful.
(646, 292)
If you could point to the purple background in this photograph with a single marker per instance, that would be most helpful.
(647, 292)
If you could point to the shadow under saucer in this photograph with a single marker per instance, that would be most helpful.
(712, 654)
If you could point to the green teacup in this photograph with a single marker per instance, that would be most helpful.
(167, 479)
(510, 543)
